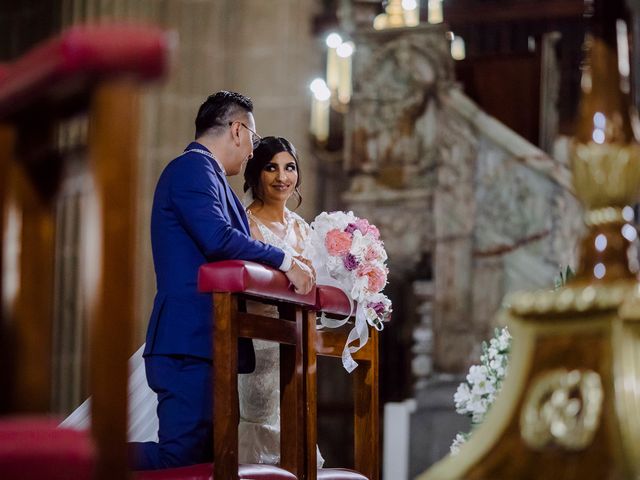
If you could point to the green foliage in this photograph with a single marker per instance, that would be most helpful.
(563, 277)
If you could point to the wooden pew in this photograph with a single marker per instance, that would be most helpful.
(98, 70)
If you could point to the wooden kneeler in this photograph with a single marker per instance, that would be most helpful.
(231, 282)
(330, 342)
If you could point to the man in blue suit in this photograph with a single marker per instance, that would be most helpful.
(196, 218)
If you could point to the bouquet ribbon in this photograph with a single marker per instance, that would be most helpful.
(359, 332)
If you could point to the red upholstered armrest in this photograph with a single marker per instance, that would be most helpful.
(339, 474)
(239, 276)
(333, 300)
(83, 53)
(33, 448)
(204, 472)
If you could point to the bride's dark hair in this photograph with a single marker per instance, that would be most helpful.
(268, 148)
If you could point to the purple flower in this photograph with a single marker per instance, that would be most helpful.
(350, 262)
(352, 227)
(377, 307)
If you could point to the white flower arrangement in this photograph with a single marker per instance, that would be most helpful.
(475, 396)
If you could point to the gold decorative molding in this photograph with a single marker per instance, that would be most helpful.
(562, 408)
(569, 300)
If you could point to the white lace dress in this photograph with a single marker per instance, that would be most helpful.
(259, 392)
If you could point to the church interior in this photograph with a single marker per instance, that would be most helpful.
(492, 143)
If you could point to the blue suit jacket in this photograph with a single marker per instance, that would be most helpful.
(196, 218)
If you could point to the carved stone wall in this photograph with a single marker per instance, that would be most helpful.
(443, 180)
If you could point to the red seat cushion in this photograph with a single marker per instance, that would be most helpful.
(339, 473)
(333, 300)
(34, 448)
(203, 471)
(78, 56)
(236, 276)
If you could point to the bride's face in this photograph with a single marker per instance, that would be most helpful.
(278, 178)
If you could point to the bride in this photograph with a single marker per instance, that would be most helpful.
(271, 177)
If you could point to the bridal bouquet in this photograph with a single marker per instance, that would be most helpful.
(347, 252)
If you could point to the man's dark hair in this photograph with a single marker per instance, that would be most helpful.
(220, 109)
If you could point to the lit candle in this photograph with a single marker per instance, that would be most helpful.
(333, 43)
(458, 51)
(344, 52)
(320, 110)
(434, 8)
(333, 74)
(411, 12)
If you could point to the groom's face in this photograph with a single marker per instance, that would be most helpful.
(244, 129)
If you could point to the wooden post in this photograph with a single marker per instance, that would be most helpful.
(366, 419)
(311, 395)
(292, 435)
(7, 343)
(113, 151)
(28, 224)
(225, 386)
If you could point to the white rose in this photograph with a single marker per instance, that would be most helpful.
(358, 245)
(359, 288)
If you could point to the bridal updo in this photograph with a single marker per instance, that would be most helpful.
(268, 148)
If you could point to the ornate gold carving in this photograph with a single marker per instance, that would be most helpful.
(562, 408)
(570, 299)
(602, 216)
(606, 176)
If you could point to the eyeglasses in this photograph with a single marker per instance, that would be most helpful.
(255, 138)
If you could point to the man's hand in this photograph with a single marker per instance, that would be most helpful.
(301, 276)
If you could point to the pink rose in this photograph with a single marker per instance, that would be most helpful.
(363, 225)
(376, 277)
(371, 253)
(373, 230)
(337, 242)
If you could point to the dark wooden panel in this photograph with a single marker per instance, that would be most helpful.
(507, 88)
(473, 11)
(267, 328)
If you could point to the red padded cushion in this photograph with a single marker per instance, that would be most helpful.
(203, 471)
(333, 300)
(339, 474)
(32, 448)
(79, 54)
(237, 276)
